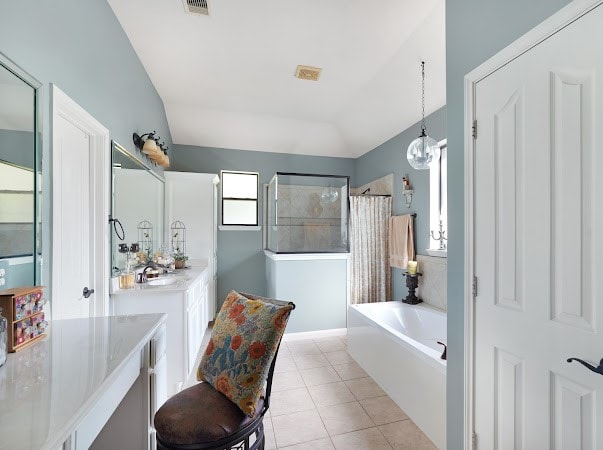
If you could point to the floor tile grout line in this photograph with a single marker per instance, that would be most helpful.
(385, 437)
(330, 436)
(387, 423)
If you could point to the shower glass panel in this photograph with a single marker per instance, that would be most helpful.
(307, 213)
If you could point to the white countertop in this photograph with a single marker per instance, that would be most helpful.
(183, 278)
(47, 389)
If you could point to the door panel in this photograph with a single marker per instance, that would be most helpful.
(538, 249)
(508, 141)
(571, 219)
(510, 400)
(72, 218)
(573, 416)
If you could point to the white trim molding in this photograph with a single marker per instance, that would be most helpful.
(570, 13)
(240, 228)
(317, 334)
(100, 177)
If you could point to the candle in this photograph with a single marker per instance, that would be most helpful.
(412, 267)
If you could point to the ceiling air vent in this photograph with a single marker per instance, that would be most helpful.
(198, 7)
(307, 73)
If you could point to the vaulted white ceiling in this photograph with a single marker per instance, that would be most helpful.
(227, 80)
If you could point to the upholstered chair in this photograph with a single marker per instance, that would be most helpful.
(226, 410)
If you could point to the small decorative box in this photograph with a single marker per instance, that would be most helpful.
(22, 308)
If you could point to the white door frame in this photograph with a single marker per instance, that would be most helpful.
(541, 32)
(100, 151)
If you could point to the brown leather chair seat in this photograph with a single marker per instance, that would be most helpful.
(201, 417)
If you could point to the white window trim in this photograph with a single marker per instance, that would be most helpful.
(239, 227)
(437, 202)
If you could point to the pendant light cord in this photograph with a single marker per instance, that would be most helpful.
(423, 127)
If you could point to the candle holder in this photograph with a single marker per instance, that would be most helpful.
(412, 282)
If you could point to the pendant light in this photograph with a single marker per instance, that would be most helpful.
(423, 150)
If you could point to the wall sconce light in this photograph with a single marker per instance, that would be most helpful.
(151, 147)
(407, 190)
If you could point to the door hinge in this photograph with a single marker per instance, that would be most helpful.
(474, 286)
(474, 129)
(473, 441)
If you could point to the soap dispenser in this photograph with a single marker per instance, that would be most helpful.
(126, 278)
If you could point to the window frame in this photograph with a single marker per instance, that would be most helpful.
(438, 200)
(240, 226)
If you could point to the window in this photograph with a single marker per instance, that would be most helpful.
(438, 202)
(239, 198)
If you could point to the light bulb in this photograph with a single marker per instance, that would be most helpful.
(149, 147)
(422, 152)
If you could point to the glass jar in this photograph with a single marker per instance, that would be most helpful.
(3, 338)
(126, 279)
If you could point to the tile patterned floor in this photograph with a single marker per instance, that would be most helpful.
(322, 399)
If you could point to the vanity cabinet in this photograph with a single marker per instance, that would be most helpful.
(92, 383)
(185, 303)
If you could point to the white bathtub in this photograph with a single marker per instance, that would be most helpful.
(396, 344)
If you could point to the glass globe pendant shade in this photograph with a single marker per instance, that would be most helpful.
(422, 152)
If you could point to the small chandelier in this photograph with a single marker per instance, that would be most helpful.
(423, 150)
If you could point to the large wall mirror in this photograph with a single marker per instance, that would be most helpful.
(20, 178)
(138, 205)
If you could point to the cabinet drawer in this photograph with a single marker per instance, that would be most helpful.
(196, 290)
(190, 299)
(203, 280)
(158, 346)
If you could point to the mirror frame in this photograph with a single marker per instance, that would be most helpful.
(36, 85)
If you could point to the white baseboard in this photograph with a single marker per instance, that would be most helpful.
(288, 337)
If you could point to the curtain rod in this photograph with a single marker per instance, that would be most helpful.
(411, 215)
(370, 195)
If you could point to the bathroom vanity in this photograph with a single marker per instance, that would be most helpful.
(183, 296)
(92, 383)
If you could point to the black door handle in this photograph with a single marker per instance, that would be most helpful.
(87, 292)
(589, 366)
(445, 350)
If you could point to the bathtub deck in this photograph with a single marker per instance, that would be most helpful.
(410, 371)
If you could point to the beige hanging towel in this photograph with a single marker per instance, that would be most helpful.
(401, 242)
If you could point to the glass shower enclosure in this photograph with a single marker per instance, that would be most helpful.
(307, 213)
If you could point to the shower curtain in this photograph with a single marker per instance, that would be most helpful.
(369, 249)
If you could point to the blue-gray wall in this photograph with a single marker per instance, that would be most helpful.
(475, 31)
(17, 147)
(241, 260)
(81, 47)
(391, 157)
(240, 256)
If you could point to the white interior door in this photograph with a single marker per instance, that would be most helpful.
(538, 245)
(72, 263)
(80, 208)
